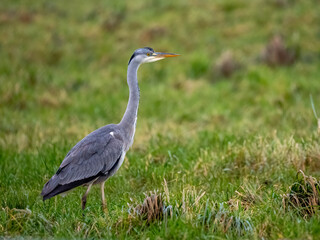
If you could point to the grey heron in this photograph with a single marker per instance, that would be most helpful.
(100, 154)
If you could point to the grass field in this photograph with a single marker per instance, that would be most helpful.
(222, 151)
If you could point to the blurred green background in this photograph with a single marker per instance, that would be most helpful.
(233, 112)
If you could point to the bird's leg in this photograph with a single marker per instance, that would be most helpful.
(103, 200)
(84, 197)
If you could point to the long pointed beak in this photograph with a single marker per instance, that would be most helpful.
(165, 55)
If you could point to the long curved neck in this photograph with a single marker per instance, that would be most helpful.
(130, 116)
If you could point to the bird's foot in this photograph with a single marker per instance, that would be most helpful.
(83, 203)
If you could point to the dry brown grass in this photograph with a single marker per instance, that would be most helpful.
(143, 214)
(151, 209)
(247, 196)
(276, 53)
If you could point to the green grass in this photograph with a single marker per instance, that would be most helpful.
(222, 151)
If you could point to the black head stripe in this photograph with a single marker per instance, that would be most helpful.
(133, 55)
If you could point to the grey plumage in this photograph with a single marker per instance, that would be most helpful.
(94, 156)
(100, 154)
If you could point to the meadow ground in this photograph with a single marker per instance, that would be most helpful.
(222, 151)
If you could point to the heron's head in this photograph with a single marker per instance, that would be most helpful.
(146, 54)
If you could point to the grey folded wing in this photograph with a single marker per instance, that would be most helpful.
(94, 156)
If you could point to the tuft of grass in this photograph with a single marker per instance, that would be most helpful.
(219, 218)
(151, 209)
(276, 53)
(304, 195)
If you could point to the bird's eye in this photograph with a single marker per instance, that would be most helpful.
(148, 54)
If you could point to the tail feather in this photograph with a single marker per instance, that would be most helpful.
(50, 186)
(53, 188)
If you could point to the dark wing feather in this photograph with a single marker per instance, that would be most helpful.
(93, 156)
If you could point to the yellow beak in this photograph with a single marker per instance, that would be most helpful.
(164, 55)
